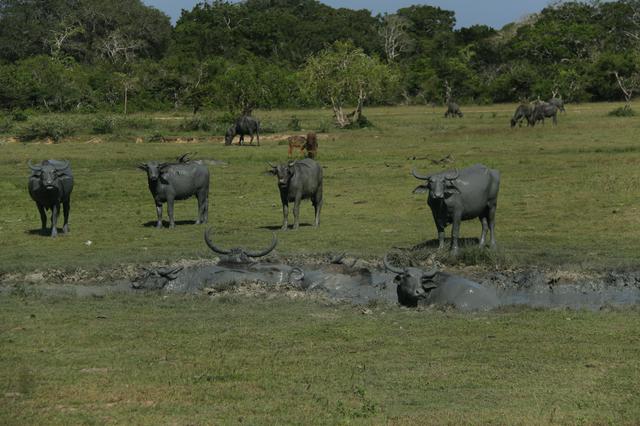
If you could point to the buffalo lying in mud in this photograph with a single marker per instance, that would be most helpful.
(453, 110)
(299, 180)
(180, 180)
(460, 195)
(245, 125)
(523, 111)
(415, 285)
(50, 184)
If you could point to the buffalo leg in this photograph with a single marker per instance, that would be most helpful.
(159, 212)
(285, 215)
(492, 225)
(172, 223)
(455, 233)
(203, 208)
(317, 205)
(66, 206)
(258, 136)
(555, 119)
(43, 217)
(296, 212)
(54, 219)
(485, 228)
(241, 141)
(251, 140)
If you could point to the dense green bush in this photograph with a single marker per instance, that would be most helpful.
(294, 124)
(624, 111)
(196, 123)
(104, 124)
(55, 128)
(6, 124)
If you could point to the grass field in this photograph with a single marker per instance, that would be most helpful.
(568, 194)
(155, 360)
(569, 198)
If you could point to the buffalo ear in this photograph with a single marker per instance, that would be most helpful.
(143, 166)
(421, 189)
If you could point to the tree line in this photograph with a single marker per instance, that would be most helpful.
(91, 55)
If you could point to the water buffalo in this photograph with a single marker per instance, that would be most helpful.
(453, 110)
(238, 255)
(297, 181)
(558, 102)
(50, 184)
(178, 181)
(462, 195)
(245, 125)
(439, 288)
(523, 111)
(544, 110)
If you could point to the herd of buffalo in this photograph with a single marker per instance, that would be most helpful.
(453, 195)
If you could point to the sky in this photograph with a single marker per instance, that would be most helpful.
(495, 13)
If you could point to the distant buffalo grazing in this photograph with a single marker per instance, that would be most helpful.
(453, 110)
(544, 110)
(245, 125)
(179, 180)
(524, 111)
(50, 184)
(460, 195)
(299, 180)
(558, 102)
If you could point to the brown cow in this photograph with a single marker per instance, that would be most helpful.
(310, 144)
(296, 141)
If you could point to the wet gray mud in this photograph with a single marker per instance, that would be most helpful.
(357, 282)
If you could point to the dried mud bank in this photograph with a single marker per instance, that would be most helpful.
(354, 281)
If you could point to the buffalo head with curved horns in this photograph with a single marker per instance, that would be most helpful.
(414, 284)
(238, 254)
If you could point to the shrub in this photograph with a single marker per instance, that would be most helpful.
(19, 116)
(104, 124)
(324, 126)
(138, 123)
(624, 111)
(196, 123)
(6, 124)
(49, 127)
(294, 124)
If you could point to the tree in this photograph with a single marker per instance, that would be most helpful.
(343, 74)
(395, 38)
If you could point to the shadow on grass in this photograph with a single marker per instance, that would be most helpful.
(278, 227)
(43, 232)
(462, 242)
(165, 223)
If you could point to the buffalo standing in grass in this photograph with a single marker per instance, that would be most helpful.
(183, 179)
(50, 184)
(299, 180)
(523, 111)
(558, 102)
(544, 110)
(245, 125)
(453, 110)
(455, 196)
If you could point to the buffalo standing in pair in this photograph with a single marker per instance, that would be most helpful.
(180, 180)
(297, 181)
(50, 185)
(466, 194)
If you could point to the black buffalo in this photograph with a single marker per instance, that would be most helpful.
(523, 111)
(453, 110)
(297, 181)
(50, 184)
(178, 181)
(455, 196)
(245, 125)
(544, 110)
(440, 288)
(558, 102)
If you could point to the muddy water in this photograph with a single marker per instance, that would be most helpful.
(533, 287)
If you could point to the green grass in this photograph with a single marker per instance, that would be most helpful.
(157, 360)
(569, 194)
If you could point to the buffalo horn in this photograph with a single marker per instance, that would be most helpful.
(265, 252)
(432, 273)
(213, 246)
(417, 176)
(457, 174)
(390, 267)
(66, 166)
(271, 165)
(34, 168)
